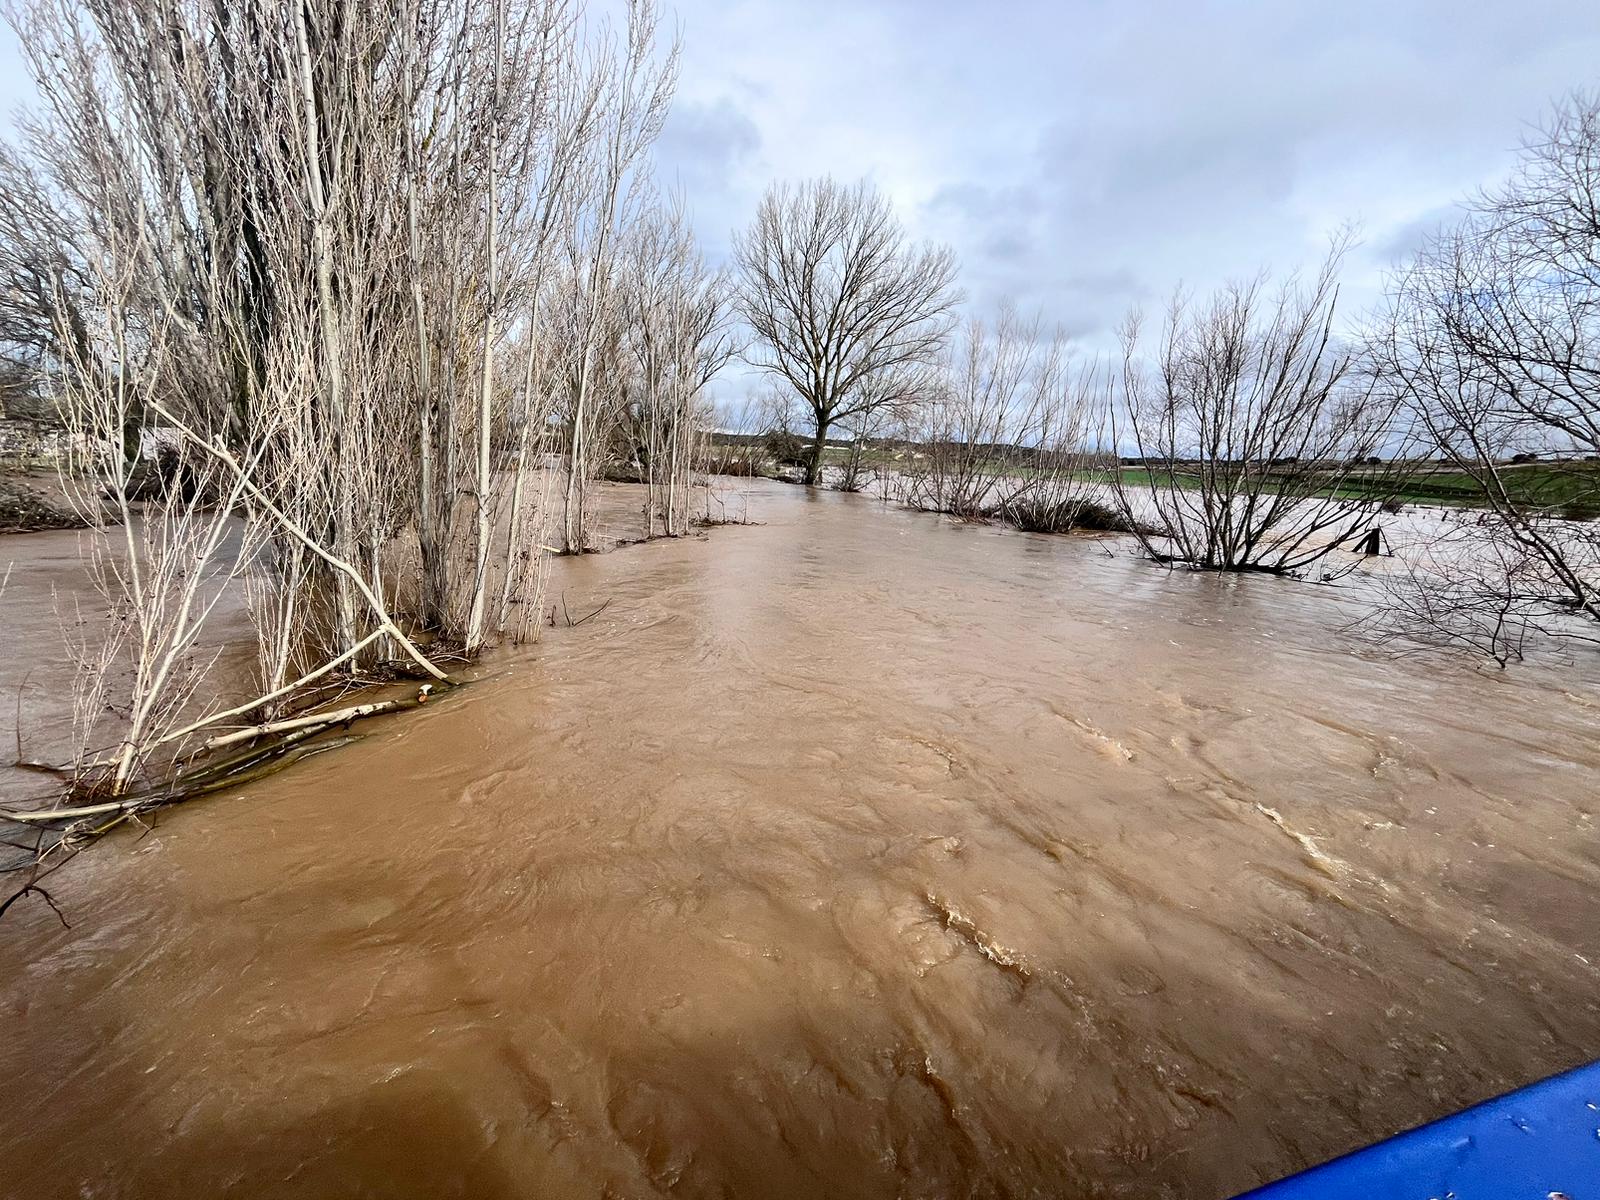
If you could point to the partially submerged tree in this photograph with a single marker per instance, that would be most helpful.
(679, 321)
(1004, 430)
(161, 553)
(316, 244)
(1491, 340)
(633, 107)
(1254, 444)
(838, 297)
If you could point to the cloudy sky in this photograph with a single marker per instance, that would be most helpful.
(1082, 156)
(1085, 155)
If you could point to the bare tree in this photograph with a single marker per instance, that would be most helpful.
(679, 322)
(1256, 446)
(161, 555)
(314, 248)
(1054, 485)
(633, 109)
(731, 444)
(838, 297)
(1491, 340)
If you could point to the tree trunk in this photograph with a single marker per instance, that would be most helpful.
(818, 445)
(483, 491)
(343, 516)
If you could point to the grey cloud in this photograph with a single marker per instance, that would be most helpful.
(1084, 156)
(705, 150)
(707, 142)
(1403, 240)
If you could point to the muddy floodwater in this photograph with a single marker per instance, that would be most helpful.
(855, 853)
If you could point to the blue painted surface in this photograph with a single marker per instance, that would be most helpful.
(1536, 1143)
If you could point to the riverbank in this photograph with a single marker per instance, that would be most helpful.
(32, 500)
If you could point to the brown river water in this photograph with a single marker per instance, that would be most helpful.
(855, 853)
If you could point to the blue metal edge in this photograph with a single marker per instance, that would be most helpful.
(1541, 1142)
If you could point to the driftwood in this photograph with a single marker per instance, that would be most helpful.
(343, 716)
(186, 785)
(285, 690)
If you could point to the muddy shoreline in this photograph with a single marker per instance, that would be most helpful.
(33, 501)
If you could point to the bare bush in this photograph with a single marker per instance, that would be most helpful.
(679, 322)
(1491, 340)
(884, 403)
(161, 552)
(732, 443)
(1256, 446)
(1004, 432)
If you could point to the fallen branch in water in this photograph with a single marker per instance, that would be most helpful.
(343, 716)
(210, 778)
(286, 689)
(573, 624)
(213, 775)
(46, 896)
(44, 768)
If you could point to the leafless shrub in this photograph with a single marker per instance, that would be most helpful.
(730, 447)
(884, 403)
(1464, 586)
(1257, 447)
(1006, 429)
(1491, 340)
(161, 555)
(680, 333)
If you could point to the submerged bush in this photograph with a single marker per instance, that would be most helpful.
(1034, 513)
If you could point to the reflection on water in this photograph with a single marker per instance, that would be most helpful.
(855, 853)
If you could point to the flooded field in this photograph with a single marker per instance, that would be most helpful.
(854, 853)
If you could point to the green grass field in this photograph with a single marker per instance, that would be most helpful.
(1571, 489)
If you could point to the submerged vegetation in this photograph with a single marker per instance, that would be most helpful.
(1253, 393)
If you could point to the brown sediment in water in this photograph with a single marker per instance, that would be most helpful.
(857, 853)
